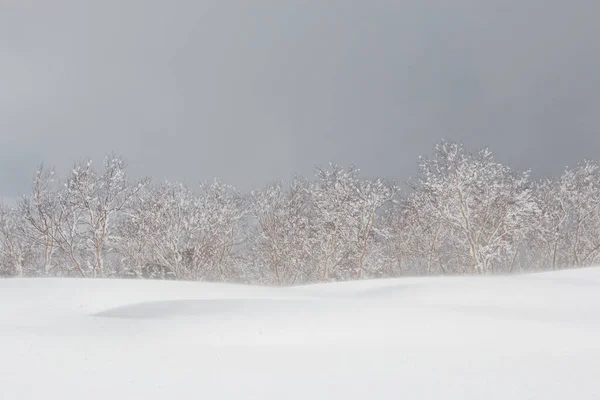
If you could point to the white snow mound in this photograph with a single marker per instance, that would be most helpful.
(531, 336)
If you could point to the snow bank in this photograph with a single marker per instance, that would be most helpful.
(518, 337)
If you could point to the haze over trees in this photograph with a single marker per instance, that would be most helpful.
(464, 214)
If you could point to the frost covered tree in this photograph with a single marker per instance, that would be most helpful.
(400, 226)
(92, 202)
(420, 240)
(368, 231)
(220, 214)
(547, 241)
(329, 228)
(345, 214)
(282, 240)
(172, 231)
(569, 232)
(155, 231)
(42, 214)
(580, 189)
(15, 249)
(483, 206)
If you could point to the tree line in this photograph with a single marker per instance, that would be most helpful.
(464, 214)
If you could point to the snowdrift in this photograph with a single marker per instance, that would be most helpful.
(516, 337)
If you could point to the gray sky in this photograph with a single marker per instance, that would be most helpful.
(252, 91)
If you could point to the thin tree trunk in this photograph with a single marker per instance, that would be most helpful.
(364, 246)
(512, 263)
(554, 252)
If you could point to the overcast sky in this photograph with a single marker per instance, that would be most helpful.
(252, 91)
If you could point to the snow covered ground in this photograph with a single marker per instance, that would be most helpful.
(519, 337)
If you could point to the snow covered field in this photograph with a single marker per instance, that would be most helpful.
(519, 337)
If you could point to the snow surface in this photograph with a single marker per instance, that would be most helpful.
(515, 337)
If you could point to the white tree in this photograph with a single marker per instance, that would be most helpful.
(570, 228)
(401, 224)
(220, 213)
(368, 233)
(172, 231)
(345, 211)
(155, 231)
(580, 189)
(41, 212)
(548, 238)
(484, 205)
(134, 232)
(283, 238)
(15, 248)
(92, 203)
